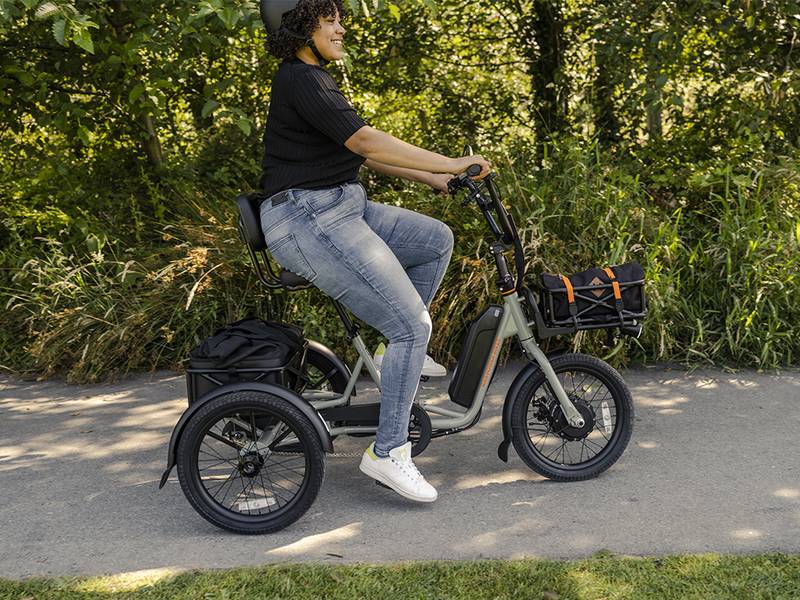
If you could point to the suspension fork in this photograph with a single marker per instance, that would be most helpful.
(523, 331)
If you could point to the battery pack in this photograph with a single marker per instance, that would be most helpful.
(474, 356)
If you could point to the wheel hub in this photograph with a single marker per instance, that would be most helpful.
(558, 421)
(250, 464)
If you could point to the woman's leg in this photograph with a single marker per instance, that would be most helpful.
(422, 244)
(423, 247)
(322, 235)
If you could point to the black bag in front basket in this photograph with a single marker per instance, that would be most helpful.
(248, 350)
(596, 298)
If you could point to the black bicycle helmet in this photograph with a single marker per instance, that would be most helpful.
(272, 12)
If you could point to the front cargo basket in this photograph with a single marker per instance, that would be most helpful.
(595, 299)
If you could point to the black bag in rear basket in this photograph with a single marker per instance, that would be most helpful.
(248, 350)
(595, 305)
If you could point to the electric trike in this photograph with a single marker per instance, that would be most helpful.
(250, 450)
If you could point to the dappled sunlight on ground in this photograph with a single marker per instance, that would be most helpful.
(706, 384)
(792, 493)
(94, 428)
(665, 403)
(505, 476)
(485, 542)
(27, 456)
(526, 503)
(313, 542)
(746, 534)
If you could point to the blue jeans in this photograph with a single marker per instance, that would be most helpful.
(382, 262)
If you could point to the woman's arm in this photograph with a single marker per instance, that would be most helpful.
(410, 174)
(380, 147)
(438, 181)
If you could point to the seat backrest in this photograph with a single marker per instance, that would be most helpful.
(250, 219)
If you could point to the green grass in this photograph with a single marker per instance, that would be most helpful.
(603, 576)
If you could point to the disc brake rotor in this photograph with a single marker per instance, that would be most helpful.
(554, 416)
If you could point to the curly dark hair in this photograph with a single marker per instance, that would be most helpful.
(302, 20)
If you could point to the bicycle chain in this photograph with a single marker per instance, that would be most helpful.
(331, 455)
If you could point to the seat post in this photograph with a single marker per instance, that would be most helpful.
(351, 328)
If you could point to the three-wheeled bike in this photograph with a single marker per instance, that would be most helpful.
(250, 448)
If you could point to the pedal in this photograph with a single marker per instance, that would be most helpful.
(424, 378)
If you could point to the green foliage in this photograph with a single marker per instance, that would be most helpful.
(721, 284)
(654, 131)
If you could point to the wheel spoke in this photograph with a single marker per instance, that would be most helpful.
(253, 428)
(555, 452)
(220, 487)
(216, 464)
(283, 472)
(600, 431)
(280, 438)
(264, 487)
(247, 487)
(214, 454)
(593, 443)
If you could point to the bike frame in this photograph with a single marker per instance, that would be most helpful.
(513, 323)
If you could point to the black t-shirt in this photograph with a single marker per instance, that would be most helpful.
(308, 122)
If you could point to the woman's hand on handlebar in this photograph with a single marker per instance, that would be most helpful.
(438, 181)
(462, 163)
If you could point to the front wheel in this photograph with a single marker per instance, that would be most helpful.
(546, 442)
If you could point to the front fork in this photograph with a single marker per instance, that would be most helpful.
(519, 326)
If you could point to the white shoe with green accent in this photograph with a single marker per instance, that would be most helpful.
(398, 472)
(430, 368)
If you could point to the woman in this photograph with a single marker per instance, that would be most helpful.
(383, 262)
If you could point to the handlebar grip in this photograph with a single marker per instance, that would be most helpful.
(473, 170)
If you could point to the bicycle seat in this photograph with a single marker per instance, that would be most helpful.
(252, 235)
(249, 221)
(291, 280)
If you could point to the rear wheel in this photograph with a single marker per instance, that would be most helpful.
(250, 462)
(544, 439)
(321, 374)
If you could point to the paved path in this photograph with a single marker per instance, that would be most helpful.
(712, 466)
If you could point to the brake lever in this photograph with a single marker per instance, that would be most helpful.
(453, 186)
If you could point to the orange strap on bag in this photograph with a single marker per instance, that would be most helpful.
(615, 285)
(573, 308)
(570, 290)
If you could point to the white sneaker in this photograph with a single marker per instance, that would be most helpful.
(430, 368)
(398, 472)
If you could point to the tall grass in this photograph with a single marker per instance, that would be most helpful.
(721, 259)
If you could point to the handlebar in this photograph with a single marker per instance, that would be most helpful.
(460, 181)
(506, 232)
